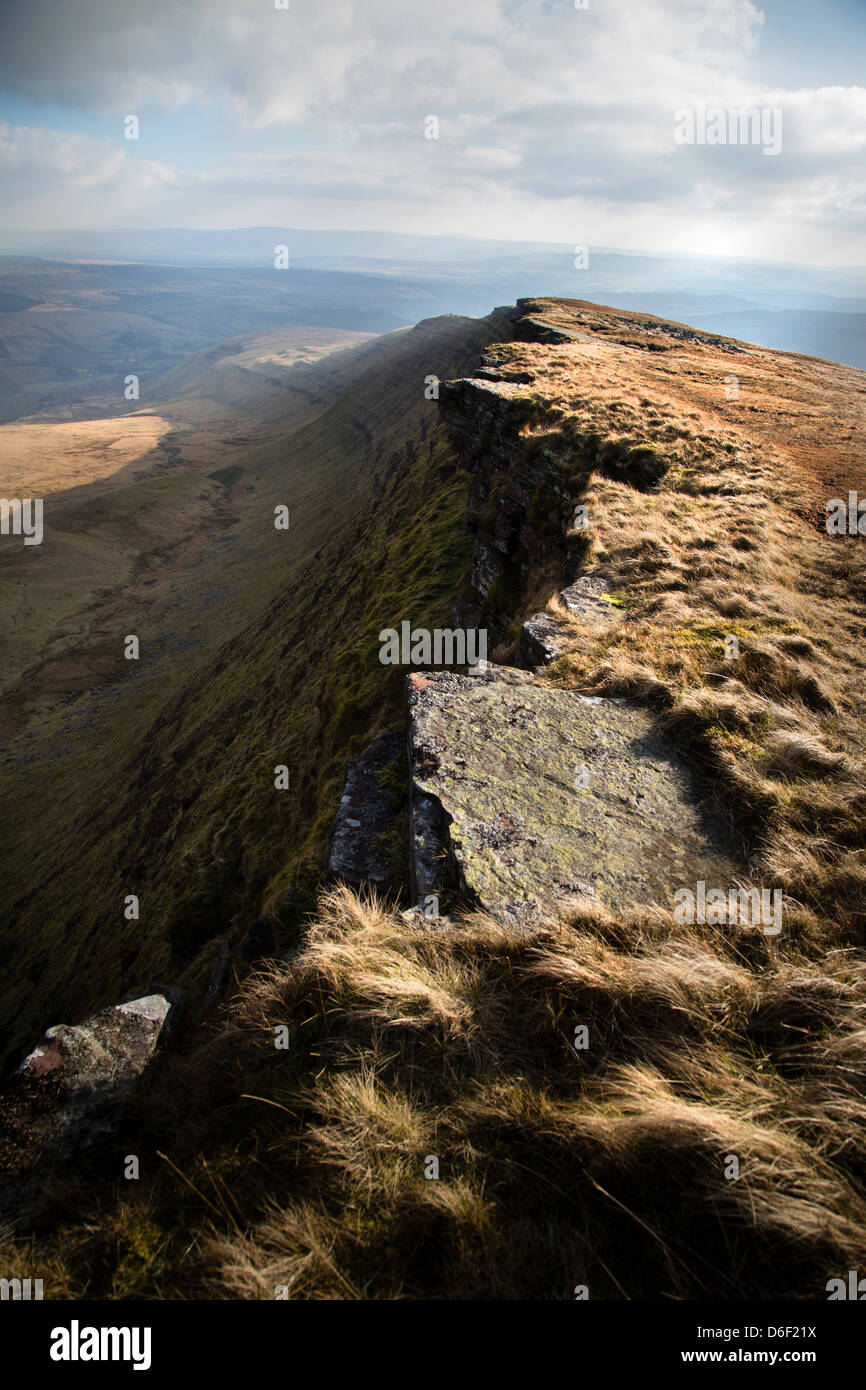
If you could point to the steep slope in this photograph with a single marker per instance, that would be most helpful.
(261, 650)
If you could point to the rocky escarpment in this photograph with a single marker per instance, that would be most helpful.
(704, 687)
(529, 470)
(521, 492)
(524, 799)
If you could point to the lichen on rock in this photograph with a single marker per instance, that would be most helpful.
(70, 1090)
(528, 799)
(543, 636)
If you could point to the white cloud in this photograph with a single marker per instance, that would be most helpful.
(551, 117)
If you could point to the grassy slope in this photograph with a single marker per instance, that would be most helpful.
(161, 781)
(72, 329)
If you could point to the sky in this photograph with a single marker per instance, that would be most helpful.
(556, 120)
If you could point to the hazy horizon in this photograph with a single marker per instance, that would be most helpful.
(662, 253)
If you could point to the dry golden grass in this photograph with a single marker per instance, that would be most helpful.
(730, 544)
(307, 1169)
(39, 457)
(556, 1167)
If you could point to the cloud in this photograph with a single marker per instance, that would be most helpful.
(32, 157)
(549, 116)
(353, 59)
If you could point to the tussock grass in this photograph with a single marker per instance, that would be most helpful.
(556, 1166)
(608, 1166)
(742, 620)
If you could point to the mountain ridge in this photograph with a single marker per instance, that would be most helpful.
(683, 476)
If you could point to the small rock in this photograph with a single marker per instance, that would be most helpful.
(542, 637)
(585, 599)
(541, 640)
(71, 1088)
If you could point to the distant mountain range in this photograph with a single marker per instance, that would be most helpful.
(813, 310)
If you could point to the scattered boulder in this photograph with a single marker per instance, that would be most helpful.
(587, 599)
(70, 1090)
(541, 639)
(542, 636)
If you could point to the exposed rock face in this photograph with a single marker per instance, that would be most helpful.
(368, 842)
(518, 503)
(70, 1090)
(554, 322)
(542, 635)
(528, 329)
(540, 640)
(527, 799)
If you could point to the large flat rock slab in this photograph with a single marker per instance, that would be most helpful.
(528, 800)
